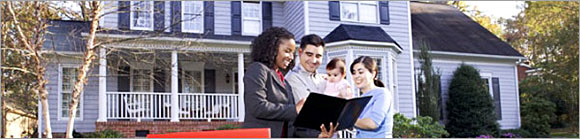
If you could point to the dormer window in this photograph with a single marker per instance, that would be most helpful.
(142, 15)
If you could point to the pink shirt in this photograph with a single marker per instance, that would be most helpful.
(332, 89)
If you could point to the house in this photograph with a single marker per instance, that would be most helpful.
(454, 38)
(186, 74)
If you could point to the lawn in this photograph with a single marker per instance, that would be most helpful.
(563, 133)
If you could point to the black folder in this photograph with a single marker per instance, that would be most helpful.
(322, 109)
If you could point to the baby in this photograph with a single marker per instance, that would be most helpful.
(336, 84)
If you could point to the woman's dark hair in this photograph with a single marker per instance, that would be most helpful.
(334, 63)
(265, 46)
(371, 65)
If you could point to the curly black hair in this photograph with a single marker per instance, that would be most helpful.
(265, 46)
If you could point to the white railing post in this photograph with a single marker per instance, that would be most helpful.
(174, 88)
(241, 107)
(102, 85)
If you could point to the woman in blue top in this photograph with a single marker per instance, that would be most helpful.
(376, 120)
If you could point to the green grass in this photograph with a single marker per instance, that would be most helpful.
(563, 133)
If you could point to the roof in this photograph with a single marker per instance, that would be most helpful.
(65, 35)
(445, 28)
(357, 32)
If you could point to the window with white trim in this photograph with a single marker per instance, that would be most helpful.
(359, 11)
(192, 16)
(68, 76)
(251, 18)
(141, 80)
(142, 15)
(486, 78)
(192, 81)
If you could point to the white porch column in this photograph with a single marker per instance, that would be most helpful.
(174, 88)
(241, 107)
(102, 85)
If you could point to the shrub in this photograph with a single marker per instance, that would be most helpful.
(470, 108)
(536, 116)
(107, 133)
(227, 127)
(429, 92)
(514, 133)
(425, 127)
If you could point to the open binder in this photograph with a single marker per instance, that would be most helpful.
(323, 109)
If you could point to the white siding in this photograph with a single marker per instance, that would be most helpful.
(90, 101)
(223, 18)
(110, 15)
(278, 14)
(294, 18)
(504, 70)
(398, 29)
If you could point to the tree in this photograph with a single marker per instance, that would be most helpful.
(486, 21)
(94, 10)
(23, 30)
(470, 108)
(547, 34)
(429, 94)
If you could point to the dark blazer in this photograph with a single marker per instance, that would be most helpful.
(268, 103)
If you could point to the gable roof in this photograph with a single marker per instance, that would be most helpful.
(356, 32)
(445, 28)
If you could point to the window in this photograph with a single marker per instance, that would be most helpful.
(192, 82)
(486, 77)
(142, 15)
(192, 16)
(141, 80)
(251, 18)
(68, 76)
(361, 11)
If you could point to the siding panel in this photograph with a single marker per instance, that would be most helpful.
(294, 18)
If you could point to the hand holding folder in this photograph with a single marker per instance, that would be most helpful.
(323, 109)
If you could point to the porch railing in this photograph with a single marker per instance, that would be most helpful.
(149, 105)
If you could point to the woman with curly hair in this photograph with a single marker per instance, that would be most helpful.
(268, 98)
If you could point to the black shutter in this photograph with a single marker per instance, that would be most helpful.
(496, 97)
(176, 16)
(266, 15)
(123, 18)
(334, 10)
(179, 86)
(208, 20)
(123, 79)
(236, 18)
(384, 12)
(159, 80)
(159, 15)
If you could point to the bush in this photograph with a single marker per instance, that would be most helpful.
(536, 116)
(425, 127)
(107, 133)
(470, 108)
(227, 127)
(514, 133)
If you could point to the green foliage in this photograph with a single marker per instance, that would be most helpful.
(546, 32)
(227, 127)
(537, 113)
(107, 133)
(470, 108)
(425, 127)
(429, 92)
(520, 133)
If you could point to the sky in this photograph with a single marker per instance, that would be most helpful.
(497, 9)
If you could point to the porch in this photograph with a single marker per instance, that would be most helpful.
(157, 83)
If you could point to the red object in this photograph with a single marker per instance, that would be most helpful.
(235, 133)
(281, 76)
